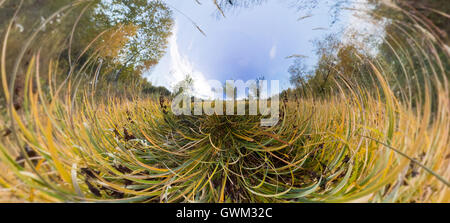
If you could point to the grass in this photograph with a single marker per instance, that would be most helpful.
(355, 146)
(332, 151)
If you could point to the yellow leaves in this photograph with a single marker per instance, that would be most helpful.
(115, 39)
(148, 63)
(243, 137)
(54, 154)
(224, 182)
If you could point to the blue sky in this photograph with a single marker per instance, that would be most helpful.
(247, 44)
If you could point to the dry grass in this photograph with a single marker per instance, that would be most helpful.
(360, 145)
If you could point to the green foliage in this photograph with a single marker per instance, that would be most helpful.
(118, 39)
(154, 24)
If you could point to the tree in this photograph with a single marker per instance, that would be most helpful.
(134, 37)
(51, 40)
(326, 50)
(185, 86)
(338, 63)
(434, 13)
(416, 40)
(298, 73)
(153, 23)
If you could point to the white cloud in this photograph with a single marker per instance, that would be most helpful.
(174, 67)
(273, 52)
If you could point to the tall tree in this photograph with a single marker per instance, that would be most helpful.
(153, 22)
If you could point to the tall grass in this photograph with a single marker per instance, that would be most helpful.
(378, 144)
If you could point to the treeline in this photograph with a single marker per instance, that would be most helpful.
(94, 43)
(412, 46)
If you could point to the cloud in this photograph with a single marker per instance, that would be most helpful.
(175, 66)
(273, 52)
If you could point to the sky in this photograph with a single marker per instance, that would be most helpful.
(246, 44)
